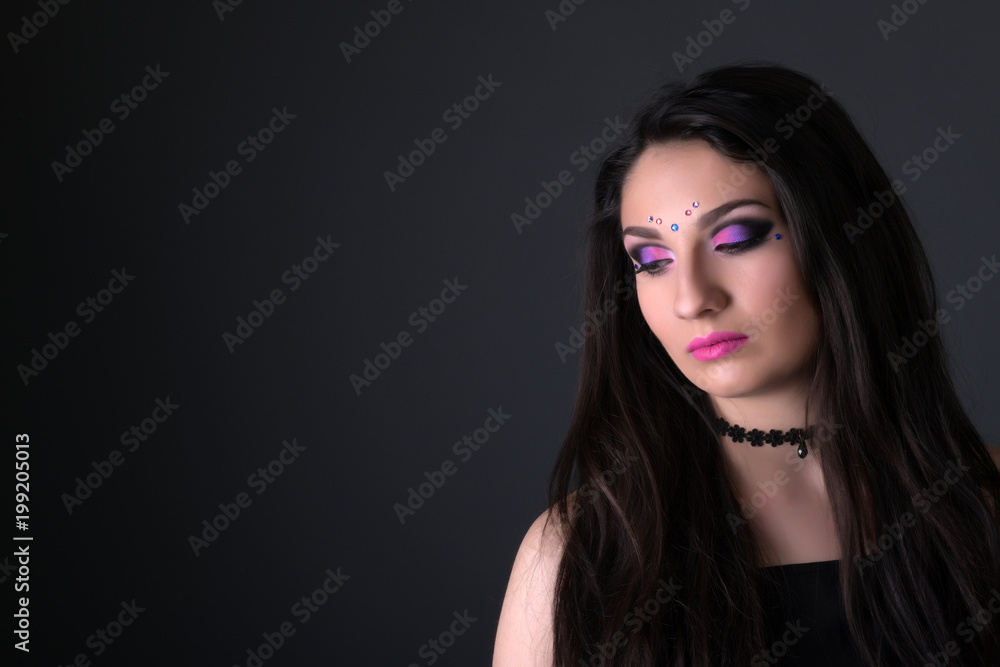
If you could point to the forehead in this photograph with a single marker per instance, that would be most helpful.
(667, 178)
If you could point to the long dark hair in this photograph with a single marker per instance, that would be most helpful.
(648, 521)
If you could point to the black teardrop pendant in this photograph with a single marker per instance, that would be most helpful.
(757, 438)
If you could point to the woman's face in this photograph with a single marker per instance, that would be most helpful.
(722, 270)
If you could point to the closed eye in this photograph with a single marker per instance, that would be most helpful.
(741, 232)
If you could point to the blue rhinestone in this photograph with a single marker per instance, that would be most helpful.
(673, 227)
(777, 236)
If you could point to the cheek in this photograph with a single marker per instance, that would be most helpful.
(782, 307)
(802, 320)
(772, 288)
(656, 311)
(648, 307)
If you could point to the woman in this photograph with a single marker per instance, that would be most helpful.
(773, 464)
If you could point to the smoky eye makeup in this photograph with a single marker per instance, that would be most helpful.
(742, 231)
(736, 236)
(651, 253)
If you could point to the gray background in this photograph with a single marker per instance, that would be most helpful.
(494, 347)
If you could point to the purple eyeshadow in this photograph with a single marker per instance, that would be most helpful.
(652, 253)
(733, 234)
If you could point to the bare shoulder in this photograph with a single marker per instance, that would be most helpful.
(524, 633)
(995, 453)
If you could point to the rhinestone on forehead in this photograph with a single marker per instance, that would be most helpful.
(674, 226)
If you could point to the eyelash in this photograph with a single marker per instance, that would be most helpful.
(729, 249)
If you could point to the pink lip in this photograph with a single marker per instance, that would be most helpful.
(716, 344)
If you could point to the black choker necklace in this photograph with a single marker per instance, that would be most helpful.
(796, 436)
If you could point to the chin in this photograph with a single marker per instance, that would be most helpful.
(724, 382)
(734, 389)
(726, 378)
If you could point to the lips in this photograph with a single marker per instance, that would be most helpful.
(713, 338)
(720, 349)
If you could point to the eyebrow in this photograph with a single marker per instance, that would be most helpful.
(704, 221)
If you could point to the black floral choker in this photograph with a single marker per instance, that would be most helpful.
(796, 436)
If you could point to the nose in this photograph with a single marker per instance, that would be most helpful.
(697, 290)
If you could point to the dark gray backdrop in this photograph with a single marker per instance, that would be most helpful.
(554, 85)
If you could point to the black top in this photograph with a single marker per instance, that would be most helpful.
(805, 618)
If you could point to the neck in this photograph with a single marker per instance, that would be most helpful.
(751, 465)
